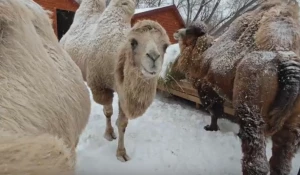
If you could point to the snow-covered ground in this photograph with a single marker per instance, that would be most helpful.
(168, 139)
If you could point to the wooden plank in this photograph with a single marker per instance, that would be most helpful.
(183, 89)
(182, 92)
(228, 110)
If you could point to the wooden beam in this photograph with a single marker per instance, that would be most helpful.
(185, 90)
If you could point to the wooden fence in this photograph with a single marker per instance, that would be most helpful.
(185, 90)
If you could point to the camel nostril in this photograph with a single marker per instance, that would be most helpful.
(153, 56)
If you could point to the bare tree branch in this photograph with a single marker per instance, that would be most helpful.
(213, 11)
(199, 10)
(236, 15)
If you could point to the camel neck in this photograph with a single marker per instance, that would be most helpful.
(138, 94)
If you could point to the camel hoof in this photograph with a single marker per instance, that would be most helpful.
(122, 155)
(110, 135)
(211, 128)
(123, 158)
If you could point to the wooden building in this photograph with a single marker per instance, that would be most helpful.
(63, 13)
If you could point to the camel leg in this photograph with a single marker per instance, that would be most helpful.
(285, 145)
(122, 122)
(109, 131)
(105, 97)
(251, 133)
(216, 110)
(213, 103)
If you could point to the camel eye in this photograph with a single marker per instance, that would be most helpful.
(124, 3)
(134, 43)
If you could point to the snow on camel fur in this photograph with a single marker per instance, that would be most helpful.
(85, 19)
(98, 53)
(44, 102)
(101, 52)
(255, 65)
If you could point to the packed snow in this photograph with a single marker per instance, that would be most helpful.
(168, 139)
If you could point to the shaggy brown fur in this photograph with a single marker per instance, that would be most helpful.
(44, 102)
(193, 47)
(255, 65)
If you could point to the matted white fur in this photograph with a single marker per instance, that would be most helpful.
(44, 103)
(85, 20)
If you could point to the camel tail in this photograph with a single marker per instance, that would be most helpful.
(288, 91)
(34, 155)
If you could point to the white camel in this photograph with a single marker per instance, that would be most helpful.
(44, 103)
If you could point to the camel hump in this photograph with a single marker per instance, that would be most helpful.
(289, 85)
(279, 29)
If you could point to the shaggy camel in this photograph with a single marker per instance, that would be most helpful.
(191, 46)
(255, 65)
(44, 102)
(95, 51)
(100, 55)
(137, 72)
(85, 19)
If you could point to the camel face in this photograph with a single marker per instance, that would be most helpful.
(128, 6)
(179, 34)
(148, 52)
(194, 30)
(189, 32)
(189, 35)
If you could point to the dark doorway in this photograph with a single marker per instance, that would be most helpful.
(64, 21)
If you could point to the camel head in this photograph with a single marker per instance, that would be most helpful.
(190, 34)
(124, 6)
(193, 41)
(148, 42)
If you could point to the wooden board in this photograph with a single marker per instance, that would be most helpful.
(186, 91)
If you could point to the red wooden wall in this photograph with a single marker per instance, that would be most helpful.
(168, 17)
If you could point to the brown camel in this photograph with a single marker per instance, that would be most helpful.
(255, 66)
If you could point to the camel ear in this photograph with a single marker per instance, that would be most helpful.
(134, 44)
